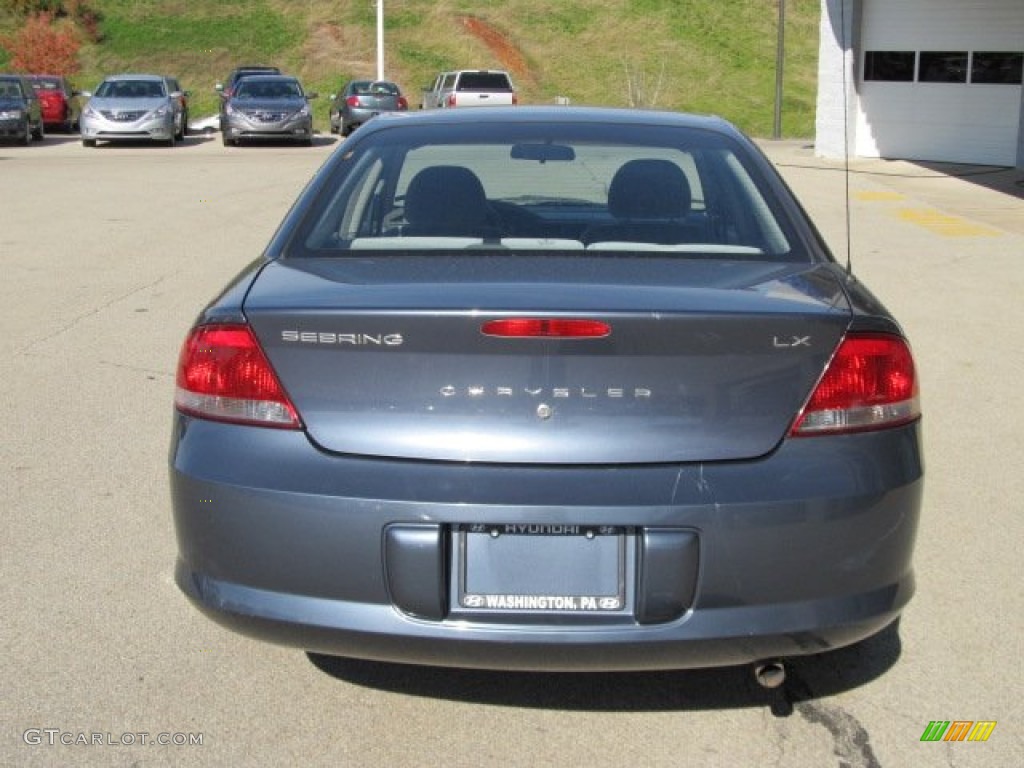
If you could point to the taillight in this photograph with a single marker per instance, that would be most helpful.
(224, 375)
(352, 101)
(451, 100)
(537, 327)
(870, 383)
(403, 103)
(515, 98)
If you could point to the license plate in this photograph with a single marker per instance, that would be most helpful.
(542, 568)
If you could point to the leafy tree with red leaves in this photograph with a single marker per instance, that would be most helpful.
(43, 47)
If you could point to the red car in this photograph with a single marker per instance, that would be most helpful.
(60, 103)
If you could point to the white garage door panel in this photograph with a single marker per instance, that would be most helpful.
(965, 124)
(940, 121)
(902, 25)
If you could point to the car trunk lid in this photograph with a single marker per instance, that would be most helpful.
(704, 361)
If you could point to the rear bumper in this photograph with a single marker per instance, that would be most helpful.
(801, 552)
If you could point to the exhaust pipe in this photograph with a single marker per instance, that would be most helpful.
(770, 674)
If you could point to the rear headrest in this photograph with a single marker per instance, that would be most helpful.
(649, 189)
(445, 195)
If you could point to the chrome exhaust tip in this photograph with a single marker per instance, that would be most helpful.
(770, 674)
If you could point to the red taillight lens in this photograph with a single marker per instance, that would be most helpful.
(403, 103)
(451, 99)
(352, 101)
(515, 98)
(870, 383)
(536, 327)
(224, 375)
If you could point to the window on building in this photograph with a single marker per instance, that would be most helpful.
(996, 67)
(895, 66)
(943, 67)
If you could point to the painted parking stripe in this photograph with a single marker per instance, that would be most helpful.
(944, 224)
(929, 218)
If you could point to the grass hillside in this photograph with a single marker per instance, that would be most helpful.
(712, 56)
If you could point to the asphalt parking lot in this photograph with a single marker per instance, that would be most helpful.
(107, 256)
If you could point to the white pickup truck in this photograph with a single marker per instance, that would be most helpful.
(470, 88)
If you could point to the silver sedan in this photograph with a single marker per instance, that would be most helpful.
(132, 108)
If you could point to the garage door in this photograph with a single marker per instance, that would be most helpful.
(941, 80)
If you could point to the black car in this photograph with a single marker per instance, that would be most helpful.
(548, 388)
(21, 114)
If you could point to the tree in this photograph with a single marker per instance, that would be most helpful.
(41, 46)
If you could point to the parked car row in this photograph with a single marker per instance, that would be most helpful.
(257, 102)
(128, 107)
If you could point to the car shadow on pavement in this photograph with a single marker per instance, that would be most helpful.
(807, 678)
(1009, 181)
(318, 140)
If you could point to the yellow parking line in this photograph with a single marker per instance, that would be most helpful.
(944, 224)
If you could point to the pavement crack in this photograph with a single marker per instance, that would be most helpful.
(93, 312)
(850, 740)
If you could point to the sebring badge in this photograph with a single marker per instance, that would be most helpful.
(343, 339)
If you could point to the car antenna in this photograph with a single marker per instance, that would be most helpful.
(846, 137)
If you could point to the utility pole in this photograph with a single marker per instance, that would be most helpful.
(380, 39)
(780, 55)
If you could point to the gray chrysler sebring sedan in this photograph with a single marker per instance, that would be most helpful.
(547, 389)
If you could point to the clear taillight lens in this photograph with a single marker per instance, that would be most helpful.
(224, 375)
(870, 383)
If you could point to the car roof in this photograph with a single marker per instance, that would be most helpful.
(272, 78)
(557, 115)
(240, 72)
(132, 76)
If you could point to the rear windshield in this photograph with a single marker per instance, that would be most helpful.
(46, 83)
(484, 81)
(540, 187)
(375, 89)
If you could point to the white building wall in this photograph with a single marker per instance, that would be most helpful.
(834, 119)
(933, 121)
